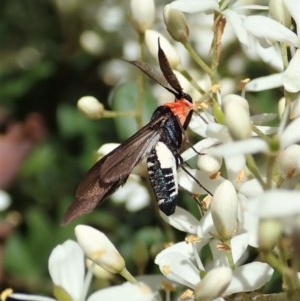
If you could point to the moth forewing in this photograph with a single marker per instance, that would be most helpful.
(159, 142)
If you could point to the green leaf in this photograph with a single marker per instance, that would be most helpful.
(124, 98)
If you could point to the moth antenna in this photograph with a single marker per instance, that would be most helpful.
(203, 119)
(151, 73)
(168, 72)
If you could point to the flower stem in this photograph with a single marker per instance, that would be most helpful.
(141, 97)
(254, 170)
(197, 58)
(113, 114)
(126, 274)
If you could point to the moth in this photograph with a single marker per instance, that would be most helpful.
(158, 142)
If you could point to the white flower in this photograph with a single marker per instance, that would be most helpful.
(266, 28)
(126, 291)
(143, 14)
(224, 208)
(181, 263)
(176, 24)
(237, 116)
(63, 270)
(91, 107)
(66, 268)
(233, 11)
(213, 284)
(5, 200)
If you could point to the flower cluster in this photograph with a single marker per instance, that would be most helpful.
(249, 163)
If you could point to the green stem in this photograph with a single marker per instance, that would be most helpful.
(113, 114)
(230, 257)
(126, 274)
(270, 167)
(254, 170)
(142, 82)
(191, 80)
(284, 55)
(219, 25)
(197, 59)
(260, 134)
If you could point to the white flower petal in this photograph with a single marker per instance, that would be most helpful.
(234, 166)
(133, 194)
(239, 244)
(206, 226)
(251, 188)
(199, 147)
(189, 184)
(293, 7)
(266, 28)
(213, 284)
(250, 224)
(30, 297)
(249, 277)
(194, 6)
(260, 119)
(240, 5)
(66, 268)
(291, 133)
(291, 76)
(275, 203)
(218, 131)
(154, 281)
(249, 146)
(236, 21)
(271, 55)
(182, 248)
(128, 291)
(181, 220)
(265, 83)
(180, 269)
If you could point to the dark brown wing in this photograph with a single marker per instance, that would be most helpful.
(113, 170)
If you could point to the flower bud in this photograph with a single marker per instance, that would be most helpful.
(281, 107)
(91, 42)
(279, 12)
(213, 285)
(143, 13)
(289, 161)
(269, 233)
(176, 24)
(91, 107)
(151, 41)
(99, 249)
(98, 271)
(237, 116)
(208, 163)
(5, 200)
(224, 209)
